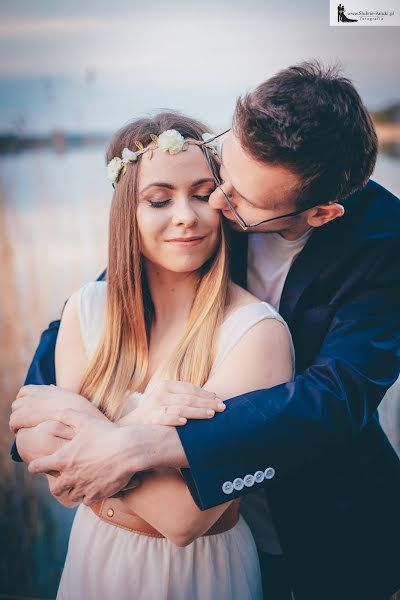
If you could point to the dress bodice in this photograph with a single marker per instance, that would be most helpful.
(92, 300)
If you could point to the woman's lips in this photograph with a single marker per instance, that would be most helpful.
(186, 243)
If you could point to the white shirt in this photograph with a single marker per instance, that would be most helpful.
(270, 257)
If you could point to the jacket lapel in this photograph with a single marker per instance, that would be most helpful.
(323, 247)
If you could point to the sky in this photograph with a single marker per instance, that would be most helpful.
(91, 66)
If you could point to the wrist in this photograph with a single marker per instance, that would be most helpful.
(152, 446)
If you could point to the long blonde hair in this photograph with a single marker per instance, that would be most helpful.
(121, 360)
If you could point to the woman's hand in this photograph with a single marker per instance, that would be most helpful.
(36, 403)
(173, 403)
(42, 440)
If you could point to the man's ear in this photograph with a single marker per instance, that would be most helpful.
(320, 215)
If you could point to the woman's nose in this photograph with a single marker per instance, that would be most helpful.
(184, 214)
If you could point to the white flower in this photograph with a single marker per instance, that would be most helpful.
(128, 156)
(214, 144)
(171, 141)
(114, 168)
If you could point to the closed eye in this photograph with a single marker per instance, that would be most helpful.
(165, 202)
(158, 204)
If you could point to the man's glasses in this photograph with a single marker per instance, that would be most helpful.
(243, 224)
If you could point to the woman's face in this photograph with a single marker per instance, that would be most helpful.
(173, 207)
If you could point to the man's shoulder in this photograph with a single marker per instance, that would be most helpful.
(376, 212)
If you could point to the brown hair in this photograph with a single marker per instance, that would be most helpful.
(120, 362)
(311, 120)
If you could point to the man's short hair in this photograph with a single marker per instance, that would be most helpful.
(311, 120)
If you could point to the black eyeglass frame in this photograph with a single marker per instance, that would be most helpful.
(238, 217)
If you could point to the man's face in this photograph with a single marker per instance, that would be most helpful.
(257, 190)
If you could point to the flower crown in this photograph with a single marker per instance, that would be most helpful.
(170, 141)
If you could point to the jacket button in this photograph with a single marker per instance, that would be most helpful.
(259, 476)
(238, 484)
(110, 513)
(249, 480)
(227, 488)
(269, 473)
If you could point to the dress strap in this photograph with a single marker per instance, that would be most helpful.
(239, 322)
(92, 299)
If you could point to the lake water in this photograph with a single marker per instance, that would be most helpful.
(53, 239)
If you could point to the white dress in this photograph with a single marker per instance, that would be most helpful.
(106, 562)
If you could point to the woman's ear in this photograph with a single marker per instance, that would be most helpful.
(324, 213)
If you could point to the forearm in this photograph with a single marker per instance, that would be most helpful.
(293, 427)
(303, 424)
(79, 403)
(164, 450)
(33, 443)
(36, 405)
(183, 522)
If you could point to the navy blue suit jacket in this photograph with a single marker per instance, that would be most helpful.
(335, 495)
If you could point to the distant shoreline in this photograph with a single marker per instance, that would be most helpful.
(58, 141)
(388, 133)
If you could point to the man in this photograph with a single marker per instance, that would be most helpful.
(323, 247)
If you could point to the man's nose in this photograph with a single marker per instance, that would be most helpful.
(217, 199)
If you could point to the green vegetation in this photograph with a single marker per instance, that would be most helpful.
(391, 114)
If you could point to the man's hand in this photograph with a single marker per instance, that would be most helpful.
(102, 457)
(94, 465)
(35, 404)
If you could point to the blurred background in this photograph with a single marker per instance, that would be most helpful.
(70, 75)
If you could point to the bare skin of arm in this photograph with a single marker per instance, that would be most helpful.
(47, 437)
(40, 440)
(37, 436)
(261, 359)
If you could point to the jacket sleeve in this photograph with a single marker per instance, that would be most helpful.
(292, 426)
(42, 368)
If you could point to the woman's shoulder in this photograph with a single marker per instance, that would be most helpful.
(242, 305)
(246, 312)
(237, 298)
(90, 303)
(90, 295)
(252, 331)
(93, 288)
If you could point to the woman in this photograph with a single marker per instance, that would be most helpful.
(168, 311)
